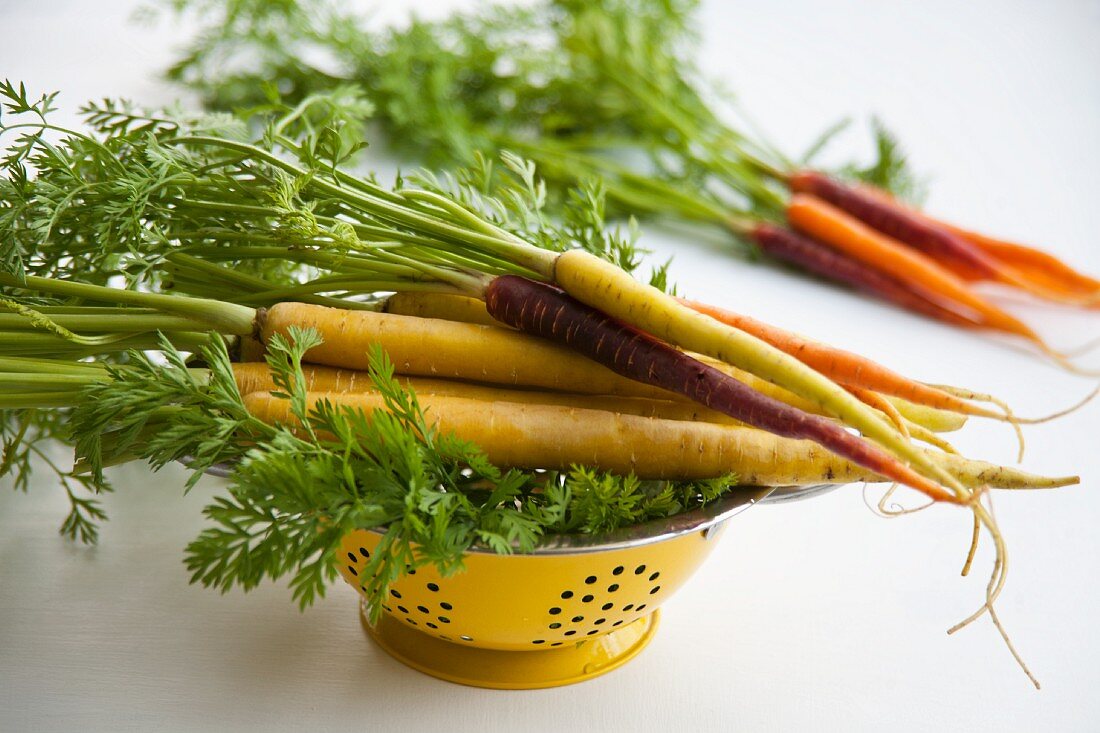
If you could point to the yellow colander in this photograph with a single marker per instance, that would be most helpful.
(576, 607)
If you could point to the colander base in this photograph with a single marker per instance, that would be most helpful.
(509, 670)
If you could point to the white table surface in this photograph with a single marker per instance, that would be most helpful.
(817, 615)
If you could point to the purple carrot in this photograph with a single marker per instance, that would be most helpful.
(895, 221)
(546, 311)
(824, 261)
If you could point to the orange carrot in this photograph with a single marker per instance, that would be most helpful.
(1042, 268)
(906, 226)
(824, 261)
(844, 367)
(880, 403)
(852, 370)
(544, 310)
(843, 231)
(1035, 262)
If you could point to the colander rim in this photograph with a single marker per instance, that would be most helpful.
(659, 530)
(645, 533)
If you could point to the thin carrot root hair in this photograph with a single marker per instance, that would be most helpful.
(1067, 363)
(984, 516)
(1012, 418)
(974, 538)
(1027, 420)
(897, 510)
(1008, 415)
(1062, 359)
(1086, 348)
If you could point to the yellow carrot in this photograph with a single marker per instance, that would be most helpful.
(557, 437)
(439, 305)
(603, 285)
(471, 310)
(434, 348)
(940, 421)
(256, 377)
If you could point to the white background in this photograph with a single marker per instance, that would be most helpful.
(811, 616)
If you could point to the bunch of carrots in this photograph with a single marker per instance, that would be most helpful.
(519, 339)
(581, 87)
(464, 361)
(862, 235)
(618, 72)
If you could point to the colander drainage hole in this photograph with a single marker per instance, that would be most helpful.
(654, 589)
(618, 571)
(443, 619)
(607, 606)
(555, 625)
(570, 632)
(364, 553)
(422, 609)
(555, 611)
(567, 594)
(599, 621)
(590, 580)
(639, 570)
(617, 622)
(394, 593)
(353, 571)
(430, 625)
(556, 643)
(654, 576)
(446, 606)
(593, 631)
(578, 619)
(612, 588)
(352, 557)
(435, 588)
(539, 641)
(411, 621)
(402, 609)
(587, 599)
(641, 607)
(628, 606)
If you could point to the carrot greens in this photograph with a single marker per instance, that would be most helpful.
(263, 209)
(609, 89)
(293, 494)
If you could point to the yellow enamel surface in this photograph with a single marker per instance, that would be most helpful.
(507, 670)
(519, 621)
